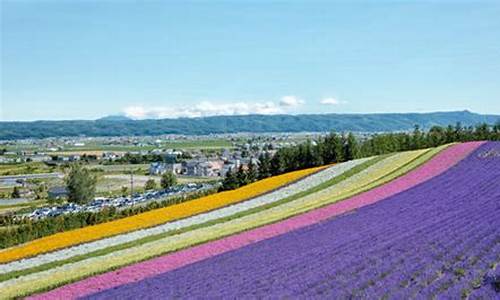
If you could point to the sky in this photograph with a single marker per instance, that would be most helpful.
(85, 59)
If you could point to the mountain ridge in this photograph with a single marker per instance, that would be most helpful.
(121, 126)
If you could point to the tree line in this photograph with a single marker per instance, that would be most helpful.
(341, 147)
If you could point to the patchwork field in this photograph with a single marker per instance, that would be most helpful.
(412, 224)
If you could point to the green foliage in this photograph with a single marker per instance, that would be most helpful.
(241, 176)
(124, 191)
(230, 181)
(264, 165)
(168, 179)
(135, 159)
(81, 184)
(350, 147)
(16, 193)
(41, 191)
(251, 172)
(150, 184)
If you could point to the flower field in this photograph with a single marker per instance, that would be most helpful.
(423, 242)
(151, 218)
(411, 223)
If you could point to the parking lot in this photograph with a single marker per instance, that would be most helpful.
(100, 203)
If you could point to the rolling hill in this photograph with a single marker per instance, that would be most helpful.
(421, 222)
(120, 126)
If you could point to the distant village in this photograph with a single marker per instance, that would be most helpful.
(45, 160)
(241, 149)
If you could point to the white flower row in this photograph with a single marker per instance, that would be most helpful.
(277, 195)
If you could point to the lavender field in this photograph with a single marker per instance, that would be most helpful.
(439, 239)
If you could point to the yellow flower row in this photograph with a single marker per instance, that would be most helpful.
(151, 218)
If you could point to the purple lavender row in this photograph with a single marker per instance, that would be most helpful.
(435, 239)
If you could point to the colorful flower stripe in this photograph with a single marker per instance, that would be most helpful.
(277, 195)
(433, 241)
(168, 262)
(151, 218)
(72, 271)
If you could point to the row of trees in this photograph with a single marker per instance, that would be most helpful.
(240, 177)
(335, 148)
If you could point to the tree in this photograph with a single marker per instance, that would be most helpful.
(482, 132)
(168, 179)
(124, 190)
(241, 176)
(496, 131)
(251, 172)
(150, 184)
(41, 191)
(331, 144)
(306, 155)
(317, 152)
(16, 193)
(264, 165)
(231, 181)
(278, 162)
(437, 136)
(81, 185)
(350, 147)
(417, 138)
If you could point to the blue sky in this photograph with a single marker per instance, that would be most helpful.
(87, 59)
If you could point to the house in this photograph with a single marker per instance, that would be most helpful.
(203, 168)
(158, 168)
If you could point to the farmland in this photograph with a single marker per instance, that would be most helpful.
(421, 222)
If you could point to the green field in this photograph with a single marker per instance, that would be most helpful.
(25, 168)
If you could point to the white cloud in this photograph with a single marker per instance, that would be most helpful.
(331, 101)
(291, 101)
(203, 109)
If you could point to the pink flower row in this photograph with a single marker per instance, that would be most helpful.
(162, 264)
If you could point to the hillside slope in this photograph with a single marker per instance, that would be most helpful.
(249, 123)
(436, 240)
(422, 196)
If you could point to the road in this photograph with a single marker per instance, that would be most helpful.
(31, 176)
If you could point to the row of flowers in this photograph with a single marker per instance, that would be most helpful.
(276, 195)
(151, 218)
(437, 165)
(73, 271)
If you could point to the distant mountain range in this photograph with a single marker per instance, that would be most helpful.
(121, 126)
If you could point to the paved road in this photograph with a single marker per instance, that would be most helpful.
(31, 176)
(13, 201)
